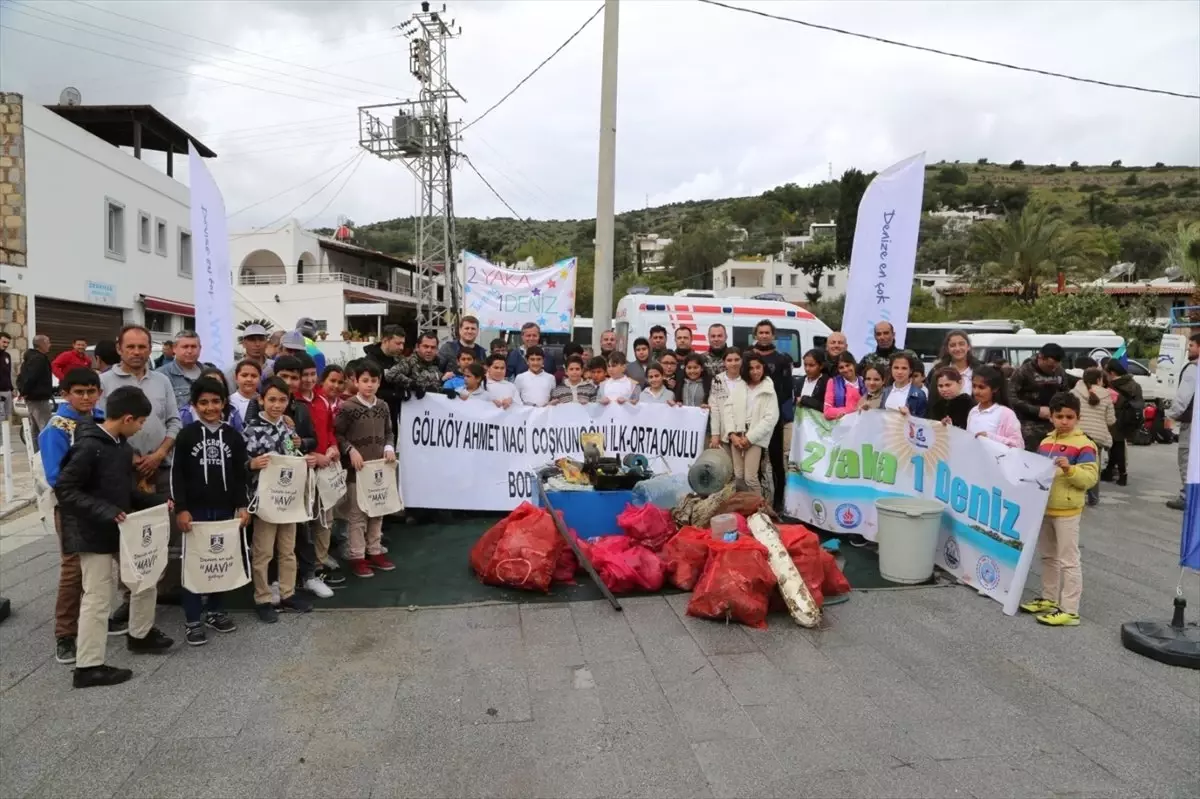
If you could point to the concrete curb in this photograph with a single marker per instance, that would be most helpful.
(16, 507)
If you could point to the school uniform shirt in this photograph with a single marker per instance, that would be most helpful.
(897, 397)
(240, 404)
(999, 422)
(209, 471)
(478, 394)
(663, 397)
(618, 388)
(534, 388)
(500, 390)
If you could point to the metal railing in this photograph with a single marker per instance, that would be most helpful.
(262, 280)
(402, 285)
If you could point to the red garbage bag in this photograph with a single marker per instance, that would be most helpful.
(804, 547)
(649, 525)
(521, 550)
(625, 565)
(685, 555)
(736, 583)
(568, 564)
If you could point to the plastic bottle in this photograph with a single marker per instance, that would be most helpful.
(725, 527)
(664, 491)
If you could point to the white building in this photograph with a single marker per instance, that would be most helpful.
(648, 251)
(747, 278)
(107, 235)
(816, 230)
(287, 272)
(962, 218)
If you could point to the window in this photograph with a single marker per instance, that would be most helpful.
(185, 253)
(779, 280)
(794, 280)
(157, 322)
(160, 237)
(114, 229)
(733, 281)
(187, 323)
(143, 231)
(829, 281)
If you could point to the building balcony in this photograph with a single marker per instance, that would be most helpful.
(401, 285)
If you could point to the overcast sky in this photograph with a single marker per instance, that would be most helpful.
(712, 103)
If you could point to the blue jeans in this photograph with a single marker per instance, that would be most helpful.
(195, 604)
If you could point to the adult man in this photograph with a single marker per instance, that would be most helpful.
(1030, 389)
(1181, 412)
(254, 344)
(75, 358)
(419, 372)
(608, 343)
(835, 345)
(658, 342)
(885, 348)
(35, 382)
(168, 355)
(185, 368)
(468, 335)
(6, 378)
(152, 446)
(717, 347)
(683, 343)
(779, 369)
(531, 336)
(388, 353)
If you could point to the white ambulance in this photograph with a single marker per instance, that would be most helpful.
(796, 329)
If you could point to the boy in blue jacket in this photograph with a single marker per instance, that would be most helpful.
(81, 388)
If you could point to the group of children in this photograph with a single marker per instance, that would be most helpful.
(219, 453)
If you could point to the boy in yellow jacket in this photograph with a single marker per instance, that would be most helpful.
(1076, 470)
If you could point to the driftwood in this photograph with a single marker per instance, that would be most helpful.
(800, 602)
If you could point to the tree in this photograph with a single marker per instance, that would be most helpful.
(852, 186)
(830, 311)
(953, 175)
(813, 261)
(1075, 167)
(1183, 250)
(543, 252)
(1017, 165)
(1116, 164)
(949, 252)
(1029, 249)
(1143, 247)
(694, 255)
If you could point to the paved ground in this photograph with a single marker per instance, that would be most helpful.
(914, 693)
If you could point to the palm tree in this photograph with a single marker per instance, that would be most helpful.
(1030, 249)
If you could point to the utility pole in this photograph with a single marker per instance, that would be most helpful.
(420, 134)
(602, 303)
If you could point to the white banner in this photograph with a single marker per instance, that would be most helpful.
(211, 275)
(995, 496)
(474, 456)
(505, 299)
(884, 254)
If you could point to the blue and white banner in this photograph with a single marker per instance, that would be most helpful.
(211, 275)
(995, 496)
(505, 299)
(885, 251)
(1189, 540)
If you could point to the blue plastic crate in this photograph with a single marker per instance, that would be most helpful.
(591, 514)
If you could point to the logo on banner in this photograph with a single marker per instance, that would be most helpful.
(988, 573)
(285, 476)
(848, 516)
(818, 512)
(147, 534)
(216, 543)
(919, 436)
(951, 553)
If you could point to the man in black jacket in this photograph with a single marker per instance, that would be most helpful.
(388, 353)
(6, 378)
(35, 382)
(95, 489)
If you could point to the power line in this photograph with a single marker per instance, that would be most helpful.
(547, 60)
(293, 188)
(338, 193)
(492, 189)
(282, 217)
(935, 51)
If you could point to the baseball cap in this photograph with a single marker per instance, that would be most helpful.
(293, 340)
(254, 330)
(307, 326)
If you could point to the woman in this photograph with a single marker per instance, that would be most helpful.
(843, 392)
(748, 417)
(1128, 408)
(904, 395)
(1096, 415)
(956, 353)
(811, 393)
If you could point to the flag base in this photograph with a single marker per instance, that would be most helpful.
(5, 608)
(1174, 644)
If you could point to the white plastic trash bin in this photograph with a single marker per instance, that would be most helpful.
(907, 538)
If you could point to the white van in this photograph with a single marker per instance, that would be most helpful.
(1016, 348)
(796, 329)
(925, 338)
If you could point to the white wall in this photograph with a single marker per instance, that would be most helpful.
(69, 173)
(317, 300)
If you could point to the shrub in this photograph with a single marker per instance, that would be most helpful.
(982, 162)
(1131, 180)
(1075, 167)
(1116, 164)
(1017, 165)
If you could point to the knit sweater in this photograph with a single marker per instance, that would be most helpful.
(366, 428)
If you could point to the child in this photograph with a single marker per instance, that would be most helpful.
(502, 393)
(950, 406)
(693, 390)
(811, 394)
(364, 428)
(641, 359)
(1096, 415)
(230, 414)
(349, 380)
(918, 376)
(474, 383)
(246, 375)
(331, 387)
(208, 484)
(267, 433)
(655, 392)
(81, 389)
(95, 488)
(597, 371)
(873, 383)
(1076, 470)
(669, 362)
(844, 390)
(748, 416)
(991, 417)
(722, 387)
(453, 381)
(499, 346)
(574, 388)
(324, 570)
(618, 388)
(904, 395)
(535, 384)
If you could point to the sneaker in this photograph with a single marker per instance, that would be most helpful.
(155, 643)
(380, 563)
(360, 568)
(220, 622)
(100, 675)
(295, 604)
(334, 578)
(1122, 480)
(1176, 504)
(1059, 618)
(274, 593)
(194, 634)
(316, 586)
(1039, 605)
(64, 649)
(118, 626)
(857, 541)
(330, 564)
(266, 613)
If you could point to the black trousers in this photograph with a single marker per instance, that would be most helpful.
(1117, 463)
(778, 465)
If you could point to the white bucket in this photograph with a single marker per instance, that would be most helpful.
(907, 538)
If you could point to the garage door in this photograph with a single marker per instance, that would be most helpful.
(64, 321)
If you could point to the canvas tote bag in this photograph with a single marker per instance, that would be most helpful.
(331, 486)
(213, 557)
(378, 485)
(144, 539)
(285, 492)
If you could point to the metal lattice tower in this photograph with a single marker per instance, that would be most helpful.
(420, 134)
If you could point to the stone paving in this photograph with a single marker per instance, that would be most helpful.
(912, 693)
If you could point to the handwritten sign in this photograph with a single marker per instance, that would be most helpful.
(505, 299)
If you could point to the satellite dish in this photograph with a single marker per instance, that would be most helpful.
(1174, 273)
(70, 96)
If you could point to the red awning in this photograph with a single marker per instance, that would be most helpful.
(168, 306)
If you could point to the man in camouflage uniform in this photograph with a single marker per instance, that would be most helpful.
(418, 373)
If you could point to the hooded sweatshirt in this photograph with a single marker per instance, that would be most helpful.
(209, 471)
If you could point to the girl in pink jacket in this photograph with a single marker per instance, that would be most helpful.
(991, 417)
(844, 390)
